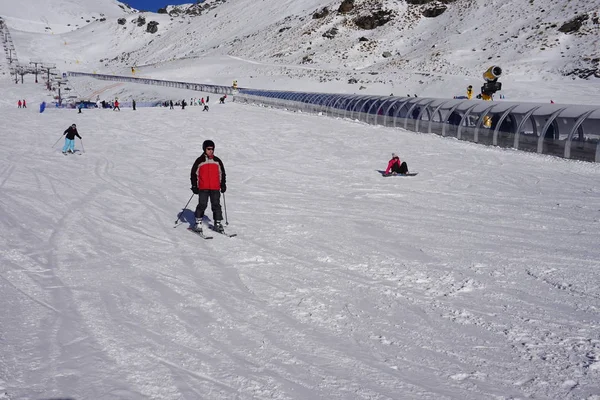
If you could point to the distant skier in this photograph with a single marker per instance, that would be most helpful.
(116, 107)
(24, 104)
(205, 107)
(395, 166)
(19, 104)
(469, 92)
(171, 105)
(222, 99)
(70, 133)
(207, 99)
(208, 182)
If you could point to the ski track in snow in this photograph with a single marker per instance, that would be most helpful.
(475, 279)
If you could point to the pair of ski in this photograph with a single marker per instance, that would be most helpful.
(212, 228)
(66, 153)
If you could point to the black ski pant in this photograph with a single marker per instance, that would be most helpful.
(402, 169)
(215, 204)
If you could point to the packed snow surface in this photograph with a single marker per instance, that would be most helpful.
(478, 278)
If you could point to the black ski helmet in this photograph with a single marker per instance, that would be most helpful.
(208, 143)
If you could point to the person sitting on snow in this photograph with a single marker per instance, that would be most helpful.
(395, 166)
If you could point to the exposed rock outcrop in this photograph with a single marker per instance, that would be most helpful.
(330, 34)
(346, 6)
(422, 2)
(152, 27)
(374, 20)
(434, 11)
(573, 25)
(321, 14)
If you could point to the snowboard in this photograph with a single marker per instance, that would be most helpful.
(392, 174)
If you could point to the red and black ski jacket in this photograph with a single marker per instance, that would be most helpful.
(208, 173)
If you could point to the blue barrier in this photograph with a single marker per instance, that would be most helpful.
(569, 131)
(158, 82)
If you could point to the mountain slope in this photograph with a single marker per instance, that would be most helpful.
(405, 51)
(466, 38)
(59, 16)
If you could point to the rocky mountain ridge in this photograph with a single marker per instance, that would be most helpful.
(360, 29)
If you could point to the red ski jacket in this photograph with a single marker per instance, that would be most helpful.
(208, 173)
(391, 164)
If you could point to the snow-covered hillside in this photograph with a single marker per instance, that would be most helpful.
(288, 41)
(52, 17)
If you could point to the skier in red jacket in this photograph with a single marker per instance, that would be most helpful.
(208, 182)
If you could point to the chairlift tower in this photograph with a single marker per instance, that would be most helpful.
(48, 67)
(60, 81)
(10, 49)
(35, 63)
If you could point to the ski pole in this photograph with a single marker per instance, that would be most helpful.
(225, 208)
(184, 207)
(82, 148)
(58, 140)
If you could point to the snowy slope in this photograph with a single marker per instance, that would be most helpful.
(476, 279)
(53, 17)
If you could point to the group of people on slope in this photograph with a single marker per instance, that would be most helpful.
(208, 178)
(199, 102)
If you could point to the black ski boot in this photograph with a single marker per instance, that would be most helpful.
(218, 227)
(198, 226)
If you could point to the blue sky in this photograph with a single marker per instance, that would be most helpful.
(154, 5)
